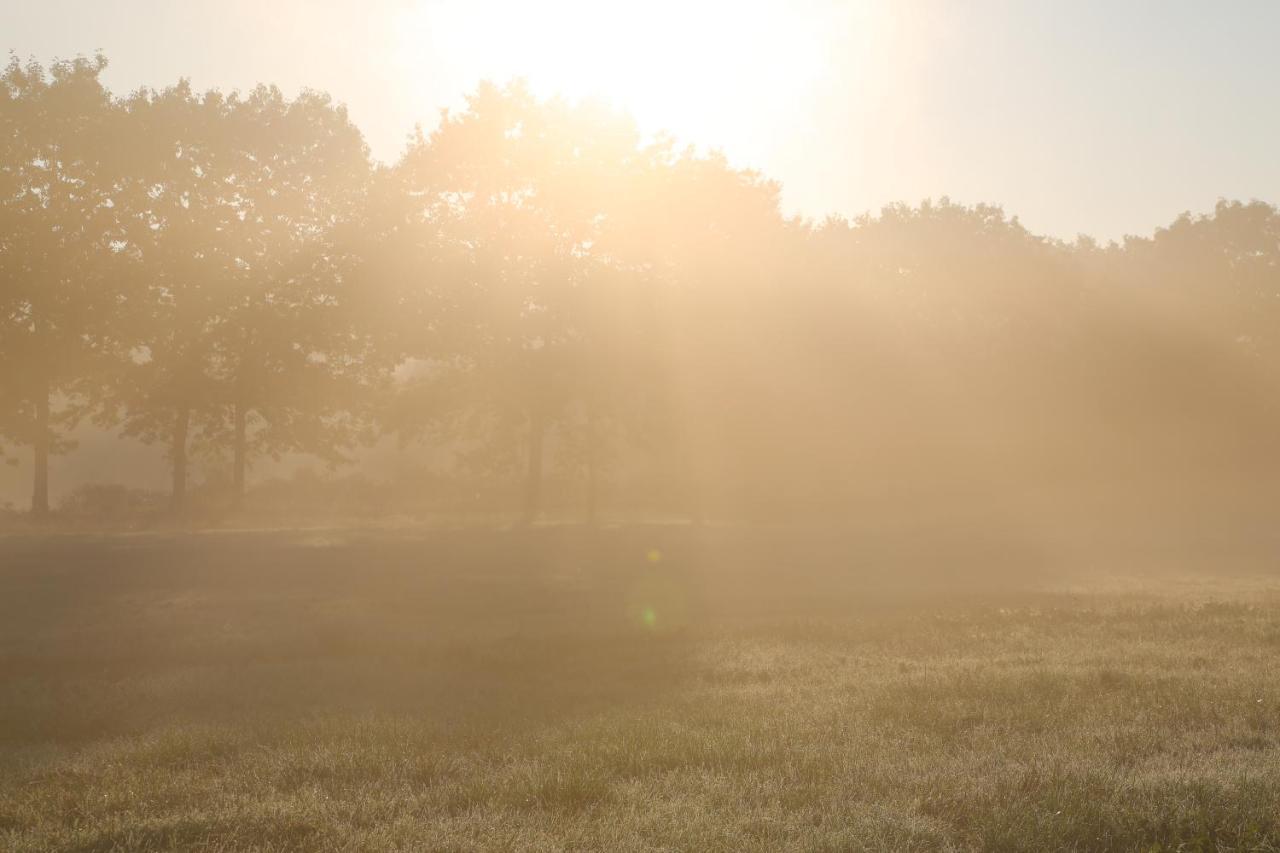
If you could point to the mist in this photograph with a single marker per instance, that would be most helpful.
(554, 485)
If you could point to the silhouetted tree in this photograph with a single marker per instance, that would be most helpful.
(524, 186)
(60, 283)
(183, 207)
(249, 342)
(291, 356)
(535, 288)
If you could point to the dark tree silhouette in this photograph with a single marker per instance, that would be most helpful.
(60, 283)
(551, 302)
(287, 355)
(183, 214)
(245, 343)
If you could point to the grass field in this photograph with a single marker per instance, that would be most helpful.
(639, 689)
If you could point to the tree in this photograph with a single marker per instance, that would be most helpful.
(292, 354)
(719, 259)
(61, 252)
(251, 344)
(183, 217)
(523, 188)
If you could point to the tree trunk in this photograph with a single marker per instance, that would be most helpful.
(40, 448)
(533, 476)
(239, 454)
(593, 492)
(182, 425)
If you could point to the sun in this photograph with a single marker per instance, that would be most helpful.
(713, 73)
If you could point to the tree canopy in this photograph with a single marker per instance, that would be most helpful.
(555, 302)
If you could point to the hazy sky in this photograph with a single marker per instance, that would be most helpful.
(1098, 116)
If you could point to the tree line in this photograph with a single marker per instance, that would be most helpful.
(534, 284)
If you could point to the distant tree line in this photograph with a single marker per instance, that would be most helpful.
(534, 285)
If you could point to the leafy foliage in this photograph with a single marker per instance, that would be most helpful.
(536, 292)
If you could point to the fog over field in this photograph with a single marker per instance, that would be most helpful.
(601, 426)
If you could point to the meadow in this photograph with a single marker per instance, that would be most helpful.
(643, 688)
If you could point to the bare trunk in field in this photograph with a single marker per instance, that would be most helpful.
(533, 475)
(40, 453)
(182, 425)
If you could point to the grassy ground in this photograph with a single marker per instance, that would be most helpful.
(627, 690)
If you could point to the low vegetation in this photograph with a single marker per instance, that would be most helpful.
(640, 689)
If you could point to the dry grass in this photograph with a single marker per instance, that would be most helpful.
(627, 690)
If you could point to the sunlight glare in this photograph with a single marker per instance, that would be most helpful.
(710, 73)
